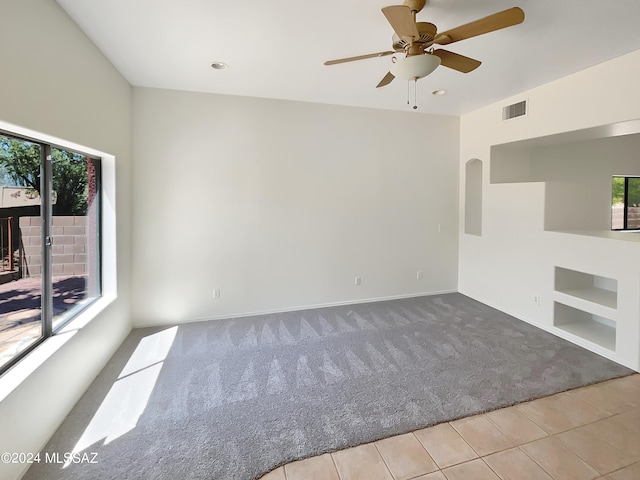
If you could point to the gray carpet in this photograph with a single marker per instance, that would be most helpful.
(233, 399)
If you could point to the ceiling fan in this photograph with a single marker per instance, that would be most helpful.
(416, 40)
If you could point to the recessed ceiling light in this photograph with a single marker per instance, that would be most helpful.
(439, 92)
(219, 66)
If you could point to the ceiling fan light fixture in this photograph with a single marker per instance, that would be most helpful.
(415, 66)
(439, 92)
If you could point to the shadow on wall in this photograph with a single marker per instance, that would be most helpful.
(473, 197)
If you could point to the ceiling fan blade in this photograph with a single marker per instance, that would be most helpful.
(402, 21)
(497, 21)
(386, 80)
(359, 57)
(456, 61)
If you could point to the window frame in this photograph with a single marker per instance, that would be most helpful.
(46, 214)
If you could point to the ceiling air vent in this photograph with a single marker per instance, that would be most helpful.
(516, 110)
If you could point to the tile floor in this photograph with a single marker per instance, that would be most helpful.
(588, 433)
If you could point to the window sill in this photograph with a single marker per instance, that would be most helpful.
(14, 377)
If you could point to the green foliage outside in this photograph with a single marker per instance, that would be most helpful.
(617, 191)
(20, 167)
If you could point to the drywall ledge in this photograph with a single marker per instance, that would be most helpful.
(608, 234)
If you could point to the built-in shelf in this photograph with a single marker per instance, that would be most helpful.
(582, 303)
(590, 327)
(593, 295)
(593, 288)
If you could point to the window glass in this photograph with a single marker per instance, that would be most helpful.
(20, 242)
(75, 240)
(45, 278)
(625, 203)
(617, 203)
(633, 203)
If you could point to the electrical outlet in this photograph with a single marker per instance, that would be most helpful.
(419, 275)
(358, 281)
(216, 294)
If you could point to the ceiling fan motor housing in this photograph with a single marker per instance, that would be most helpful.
(427, 33)
(415, 5)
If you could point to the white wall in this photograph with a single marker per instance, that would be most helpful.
(578, 195)
(514, 258)
(281, 204)
(55, 82)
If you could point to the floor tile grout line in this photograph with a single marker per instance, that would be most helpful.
(602, 438)
(536, 462)
(489, 466)
(576, 397)
(574, 394)
(463, 439)
(335, 465)
(627, 380)
(425, 449)
(624, 425)
(585, 460)
(383, 460)
(506, 437)
(569, 448)
(453, 465)
(593, 386)
(542, 426)
(550, 435)
(517, 443)
(423, 474)
(622, 468)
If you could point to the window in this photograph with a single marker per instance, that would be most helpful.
(625, 203)
(49, 239)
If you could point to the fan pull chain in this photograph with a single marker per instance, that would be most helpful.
(415, 93)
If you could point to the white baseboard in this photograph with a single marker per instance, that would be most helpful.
(296, 308)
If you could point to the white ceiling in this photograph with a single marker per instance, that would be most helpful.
(276, 48)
